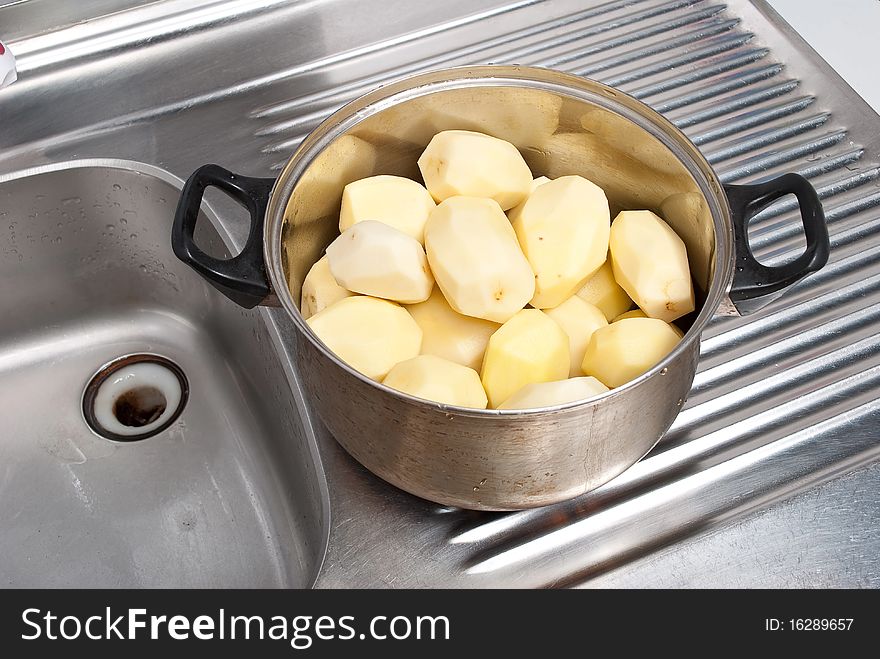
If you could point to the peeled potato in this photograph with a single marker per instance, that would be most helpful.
(438, 379)
(538, 182)
(622, 351)
(635, 313)
(396, 201)
(530, 347)
(602, 290)
(545, 394)
(375, 259)
(514, 212)
(461, 162)
(476, 260)
(448, 334)
(650, 263)
(638, 313)
(368, 334)
(320, 289)
(563, 230)
(579, 319)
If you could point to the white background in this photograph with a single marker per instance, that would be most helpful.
(846, 33)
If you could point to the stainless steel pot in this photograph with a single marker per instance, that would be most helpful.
(494, 459)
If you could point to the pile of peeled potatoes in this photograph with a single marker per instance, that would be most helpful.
(485, 287)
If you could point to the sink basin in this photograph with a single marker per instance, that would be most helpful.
(231, 493)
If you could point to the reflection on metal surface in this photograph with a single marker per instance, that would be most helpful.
(86, 264)
(744, 88)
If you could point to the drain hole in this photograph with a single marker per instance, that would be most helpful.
(135, 397)
(139, 407)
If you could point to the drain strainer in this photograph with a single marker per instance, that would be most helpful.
(135, 397)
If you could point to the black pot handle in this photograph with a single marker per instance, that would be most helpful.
(242, 278)
(752, 279)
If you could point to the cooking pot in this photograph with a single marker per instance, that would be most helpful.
(562, 124)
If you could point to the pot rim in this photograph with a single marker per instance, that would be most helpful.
(564, 84)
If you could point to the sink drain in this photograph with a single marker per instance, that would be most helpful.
(135, 397)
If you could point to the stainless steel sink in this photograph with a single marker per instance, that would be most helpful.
(231, 493)
(769, 477)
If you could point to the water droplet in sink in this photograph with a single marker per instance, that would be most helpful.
(71, 200)
(116, 186)
(57, 240)
(111, 227)
(122, 220)
(133, 236)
